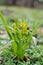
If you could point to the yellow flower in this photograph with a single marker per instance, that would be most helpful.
(22, 24)
(25, 31)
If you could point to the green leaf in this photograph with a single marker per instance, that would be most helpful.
(14, 46)
(25, 46)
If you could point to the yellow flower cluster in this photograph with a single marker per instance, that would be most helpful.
(25, 29)
(22, 24)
